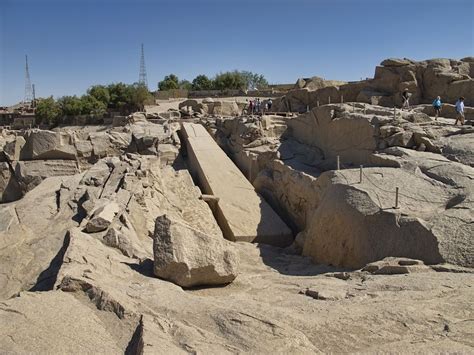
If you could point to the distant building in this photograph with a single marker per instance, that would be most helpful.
(18, 116)
(24, 121)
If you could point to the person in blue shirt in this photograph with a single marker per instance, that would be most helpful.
(460, 111)
(437, 106)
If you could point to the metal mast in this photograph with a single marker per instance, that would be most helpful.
(142, 76)
(28, 88)
(33, 103)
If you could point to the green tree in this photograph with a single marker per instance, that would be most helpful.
(202, 82)
(119, 96)
(92, 106)
(170, 82)
(70, 105)
(229, 80)
(254, 80)
(101, 93)
(139, 97)
(48, 111)
(185, 85)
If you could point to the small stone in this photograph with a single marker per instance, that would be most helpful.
(102, 218)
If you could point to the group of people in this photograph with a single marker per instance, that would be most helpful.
(255, 106)
(437, 104)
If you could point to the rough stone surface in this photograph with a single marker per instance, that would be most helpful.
(425, 80)
(355, 224)
(48, 145)
(242, 214)
(266, 299)
(52, 322)
(37, 222)
(189, 257)
(333, 212)
(63, 290)
(103, 217)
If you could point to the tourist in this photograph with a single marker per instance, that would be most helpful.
(250, 107)
(406, 97)
(270, 103)
(459, 111)
(265, 107)
(437, 106)
(258, 105)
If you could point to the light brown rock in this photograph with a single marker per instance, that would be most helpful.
(102, 217)
(242, 214)
(189, 257)
(356, 223)
(52, 322)
(48, 145)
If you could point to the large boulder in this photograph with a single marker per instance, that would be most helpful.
(189, 257)
(353, 138)
(191, 106)
(44, 145)
(143, 143)
(459, 147)
(224, 108)
(100, 143)
(396, 62)
(29, 174)
(316, 83)
(357, 222)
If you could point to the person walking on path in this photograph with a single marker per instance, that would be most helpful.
(437, 106)
(406, 97)
(459, 111)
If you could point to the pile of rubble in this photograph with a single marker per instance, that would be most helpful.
(29, 156)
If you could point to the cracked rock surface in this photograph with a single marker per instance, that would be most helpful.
(118, 251)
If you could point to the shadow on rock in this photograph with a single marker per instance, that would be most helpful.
(145, 267)
(287, 262)
(47, 278)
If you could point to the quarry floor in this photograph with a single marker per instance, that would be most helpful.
(423, 311)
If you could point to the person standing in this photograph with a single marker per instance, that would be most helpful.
(250, 107)
(406, 97)
(270, 103)
(459, 111)
(258, 105)
(437, 106)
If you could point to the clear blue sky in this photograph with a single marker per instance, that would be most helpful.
(72, 44)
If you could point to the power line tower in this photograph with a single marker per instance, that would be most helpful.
(28, 88)
(33, 103)
(142, 76)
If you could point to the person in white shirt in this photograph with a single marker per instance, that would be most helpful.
(459, 111)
